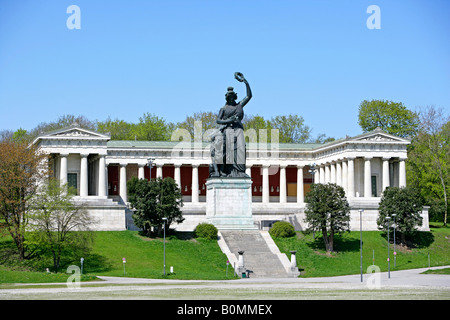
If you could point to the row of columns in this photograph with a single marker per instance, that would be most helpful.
(283, 184)
(339, 172)
(195, 184)
(159, 174)
(102, 174)
(342, 173)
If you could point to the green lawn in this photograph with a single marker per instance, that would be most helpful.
(202, 259)
(313, 261)
(191, 259)
(438, 271)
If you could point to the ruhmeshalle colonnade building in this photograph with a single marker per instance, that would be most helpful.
(281, 174)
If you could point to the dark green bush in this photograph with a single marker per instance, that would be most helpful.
(282, 229)
(206, 230)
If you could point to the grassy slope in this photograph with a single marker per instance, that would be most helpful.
(313, 260)
(202, 259)
(191, 258)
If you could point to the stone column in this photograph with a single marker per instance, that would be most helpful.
(327, 173)
(177, 175)
(316, 175)
(84, 175)
(367, 178)
(351, 178)
(385, 182)
(141, 172)
(339, 173)
(300, 197)
(333, 172)
(283, 194)
(106, 179)
(402, 173)
(102, 176)
(322, 173)
(159, 173)
(123, 182)
(345, 176)
(195, 183)
(265, 184)
(63, 169)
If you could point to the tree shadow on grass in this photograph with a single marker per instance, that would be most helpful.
(341, 244)
(93, 263)
(183, 235)
(415, 239)
(170, 234)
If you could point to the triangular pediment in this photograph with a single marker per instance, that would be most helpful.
(76, 133)
(72, 133)
(378, 135)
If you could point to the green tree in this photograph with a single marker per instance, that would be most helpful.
(428, 164)
(118, 129)
(20, 134)
(58, 223)
(154, 200)
(406, 204)
(63, 121)
(257, 123)
(327, 210)
(291, 128)
(22, 167)
(152, 128)
(391, 117)
(207, 120)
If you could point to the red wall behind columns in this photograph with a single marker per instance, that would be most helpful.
(186, 180)
(168, 171)
(113, 180)
(203, 174)
(274, 180)
(257, 180)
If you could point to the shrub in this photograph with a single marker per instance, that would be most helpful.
(206, 230)
(282, 229)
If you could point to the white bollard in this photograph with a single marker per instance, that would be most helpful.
(293, 261)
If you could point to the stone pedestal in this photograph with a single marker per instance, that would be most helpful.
(294, 272)
(229, 204)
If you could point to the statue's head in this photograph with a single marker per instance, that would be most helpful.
(230, 96)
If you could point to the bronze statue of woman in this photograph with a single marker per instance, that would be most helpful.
(230, 161)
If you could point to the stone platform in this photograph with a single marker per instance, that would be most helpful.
(229, 203)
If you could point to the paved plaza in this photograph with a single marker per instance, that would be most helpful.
(402, 285)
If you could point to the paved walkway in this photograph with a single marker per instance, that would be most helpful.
(412, 277)
(406, 284)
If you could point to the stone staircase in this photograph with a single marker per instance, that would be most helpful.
(258, 257)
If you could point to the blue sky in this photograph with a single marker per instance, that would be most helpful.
(172, 58)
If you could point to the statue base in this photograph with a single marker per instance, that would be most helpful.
(229, 203)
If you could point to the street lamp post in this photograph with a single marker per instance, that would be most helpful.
(360, 242)
(312, 170)
(150, 165)
(395, 252)
(164, 228)
(388, 259)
